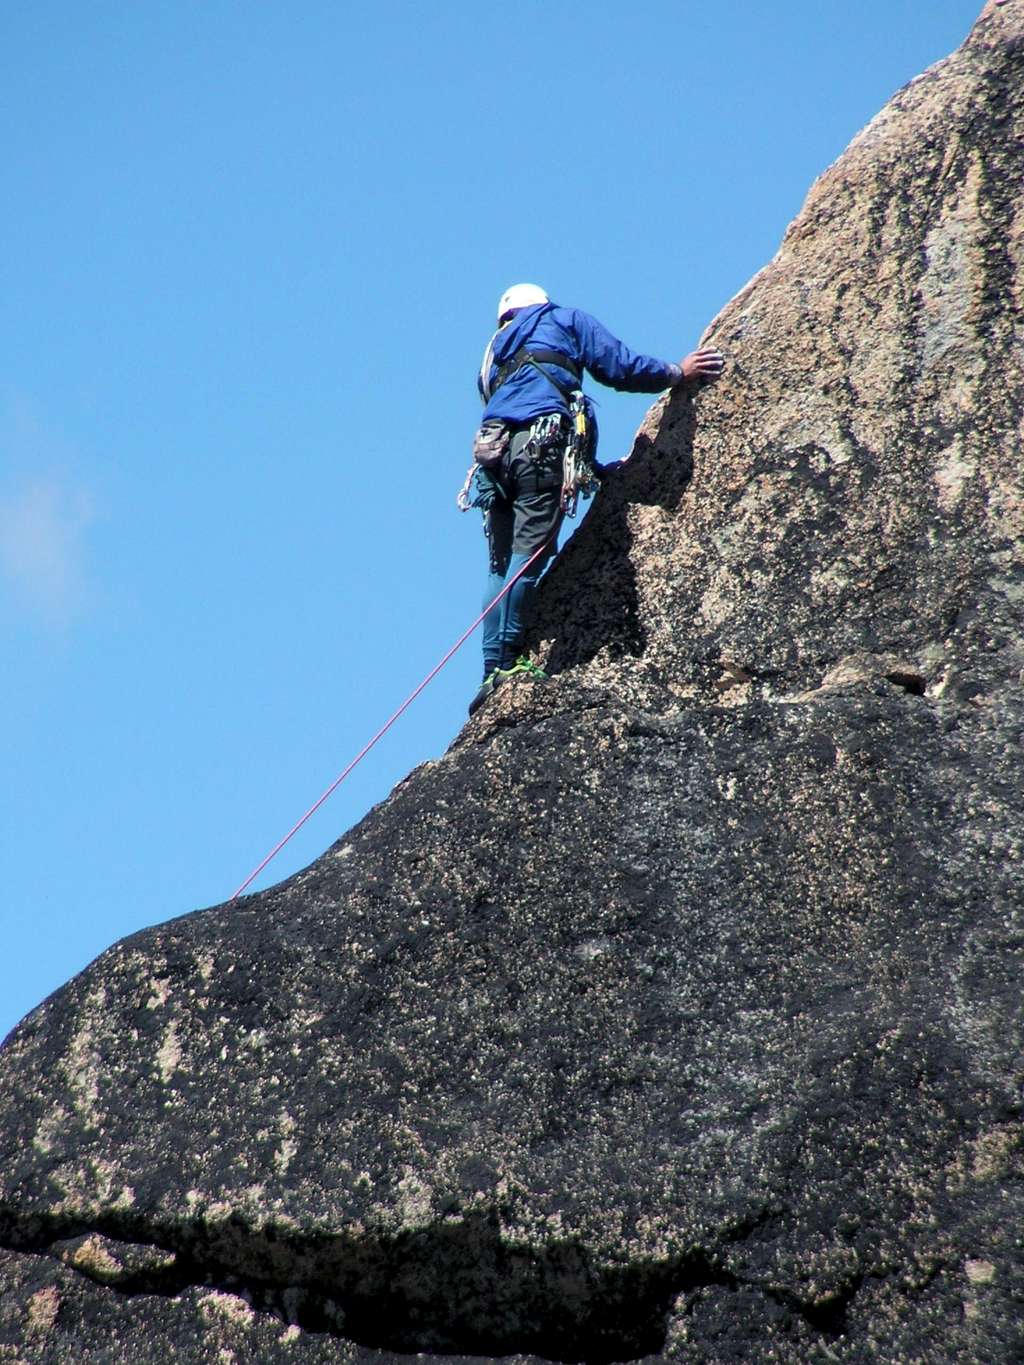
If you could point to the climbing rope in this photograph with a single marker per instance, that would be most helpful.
(388, 724)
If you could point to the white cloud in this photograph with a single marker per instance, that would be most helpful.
(43, 521)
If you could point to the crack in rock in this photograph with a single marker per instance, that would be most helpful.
(449, 1289)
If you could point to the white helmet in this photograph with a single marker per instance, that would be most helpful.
(519, 296)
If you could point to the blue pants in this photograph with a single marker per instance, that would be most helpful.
(527, 517)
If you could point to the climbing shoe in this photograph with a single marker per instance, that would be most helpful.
(523, 667)
(486, 688)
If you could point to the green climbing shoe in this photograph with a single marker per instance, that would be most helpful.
(524, 667)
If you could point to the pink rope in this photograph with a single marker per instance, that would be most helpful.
(388, 724)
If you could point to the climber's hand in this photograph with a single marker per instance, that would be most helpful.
(703, 366)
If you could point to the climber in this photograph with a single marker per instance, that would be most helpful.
(530, 386)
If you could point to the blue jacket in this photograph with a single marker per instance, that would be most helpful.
(570, 331)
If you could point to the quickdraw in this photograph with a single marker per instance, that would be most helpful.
(579, 477)
(462, 500)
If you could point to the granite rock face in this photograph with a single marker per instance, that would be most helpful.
(853, 489)
(676, 1013)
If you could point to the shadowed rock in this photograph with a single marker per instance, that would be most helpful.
(675, 1013)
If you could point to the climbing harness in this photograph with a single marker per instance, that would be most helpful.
(538, 358)
(388, 723)
(492, 439)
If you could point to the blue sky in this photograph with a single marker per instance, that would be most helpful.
(250, 259)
